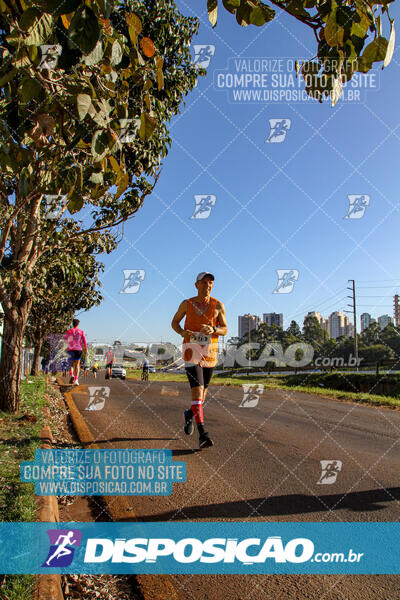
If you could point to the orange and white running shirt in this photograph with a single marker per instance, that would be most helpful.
(201, 349)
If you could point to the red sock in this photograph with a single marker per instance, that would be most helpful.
(197, 410)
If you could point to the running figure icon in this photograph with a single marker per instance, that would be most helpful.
(62, 542)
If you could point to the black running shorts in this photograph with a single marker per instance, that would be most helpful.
(75, 354)
(199, 376)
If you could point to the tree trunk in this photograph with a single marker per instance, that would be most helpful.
(36, 355)
(11, 353)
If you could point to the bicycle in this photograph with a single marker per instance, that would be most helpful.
(145, 375)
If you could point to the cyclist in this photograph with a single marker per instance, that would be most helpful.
(76, 342)
(205, 321)
(145, 370)
(109, 363)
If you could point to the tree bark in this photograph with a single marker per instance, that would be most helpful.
(36, 355)
(11, 354)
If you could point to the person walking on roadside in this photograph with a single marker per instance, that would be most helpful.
(76, 344)
(205, 321)
(109, 363)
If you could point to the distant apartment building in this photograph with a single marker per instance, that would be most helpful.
(247, 323)
(339, 324)
(384, 321)
(321, 320)
(273, 319)
(366, 321)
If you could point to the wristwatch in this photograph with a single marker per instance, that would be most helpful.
(215, 329)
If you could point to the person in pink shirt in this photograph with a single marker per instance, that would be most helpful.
(76, 343)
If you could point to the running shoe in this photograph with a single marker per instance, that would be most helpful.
(76, 382)
(205, 441)
(188, 428)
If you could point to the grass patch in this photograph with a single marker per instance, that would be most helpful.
(20, 437)
(287, 382)
(158, 376)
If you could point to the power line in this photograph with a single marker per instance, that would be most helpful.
(331, 300)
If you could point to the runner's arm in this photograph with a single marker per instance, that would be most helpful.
(84, 341)
(221, 320)
(180, 313)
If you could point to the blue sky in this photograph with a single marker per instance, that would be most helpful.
(277, 205)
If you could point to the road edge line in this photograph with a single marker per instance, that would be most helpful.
(152, 587)
(47, 587)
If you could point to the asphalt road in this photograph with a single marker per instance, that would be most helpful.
(265, 465)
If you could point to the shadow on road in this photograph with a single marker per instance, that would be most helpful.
(292, 504)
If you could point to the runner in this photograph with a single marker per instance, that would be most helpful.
(109, 363)
(64, 367)
(95, 369)
(76, 342)
(205, 321)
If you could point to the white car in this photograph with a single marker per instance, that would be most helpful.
(118, 371)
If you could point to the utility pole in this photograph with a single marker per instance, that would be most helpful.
(353, 296)
(249, 339)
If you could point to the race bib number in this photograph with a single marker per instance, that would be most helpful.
(200, 338)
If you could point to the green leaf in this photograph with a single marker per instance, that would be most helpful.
(96, 177)
(95, 56)
(116, 54)
(261, 14)
(243, 14)
(8, 77)
(333, 32)
(212, 9)
(100, 145)
(84, 102)
(123, 184)
(28, 18)
(390, 48)
(375, 51)
(147, 126)
(84, 30)
(134, 22)
(39, 27)
(31, 89)
(75, 202)
(231, 5)
(337, 89)
(360, 28)
(296, 8)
